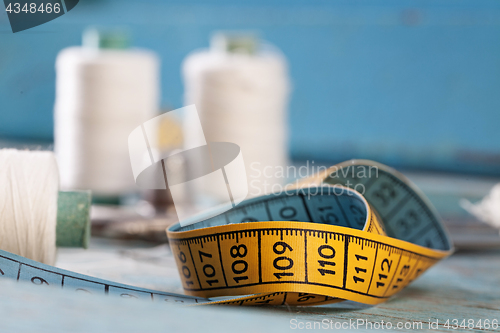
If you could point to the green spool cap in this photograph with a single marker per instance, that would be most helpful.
(116, 39)
(73, 219)
(235, 42)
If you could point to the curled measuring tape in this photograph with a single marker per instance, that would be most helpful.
(310, 245)
(315, 244)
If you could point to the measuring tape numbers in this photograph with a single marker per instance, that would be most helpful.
(317, 243)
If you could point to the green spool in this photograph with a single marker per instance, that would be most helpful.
(235, 42)
(73, 219)
(116, 39)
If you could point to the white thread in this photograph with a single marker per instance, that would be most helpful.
(242, 98)
(101, 96)
(28, 204)
(488, 209)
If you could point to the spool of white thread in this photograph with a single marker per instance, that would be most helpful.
(28, 204)
(241, 92)
(101, 96)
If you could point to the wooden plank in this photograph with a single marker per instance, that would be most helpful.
(464, 286)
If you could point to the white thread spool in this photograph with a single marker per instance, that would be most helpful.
(28, 204)
(242, 97)
(101, 96)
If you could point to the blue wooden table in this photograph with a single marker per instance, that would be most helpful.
(464, 286)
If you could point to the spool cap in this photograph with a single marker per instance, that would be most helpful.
(245, 43)
(117, 39)
(73, 219)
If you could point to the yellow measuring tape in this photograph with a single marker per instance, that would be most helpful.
(358, 231)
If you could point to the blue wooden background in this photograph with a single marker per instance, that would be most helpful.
(410, 83)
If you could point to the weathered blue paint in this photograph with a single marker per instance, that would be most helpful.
(410, 83)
